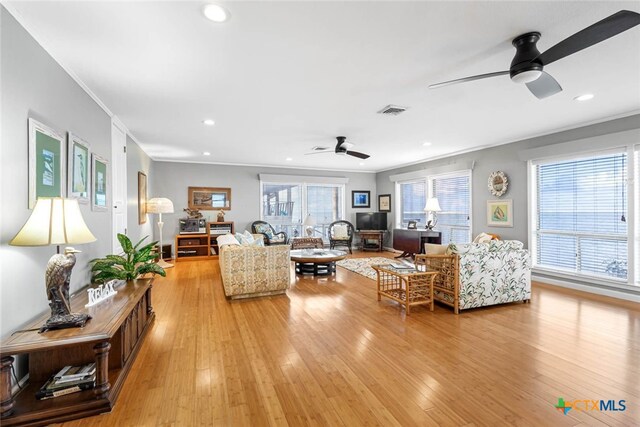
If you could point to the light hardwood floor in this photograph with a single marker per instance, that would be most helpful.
(328, 353)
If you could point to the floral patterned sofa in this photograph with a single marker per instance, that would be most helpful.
(479, 274)
(253, 271)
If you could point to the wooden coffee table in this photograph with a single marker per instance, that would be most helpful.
(316, 261)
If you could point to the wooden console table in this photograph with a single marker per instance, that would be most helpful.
(367, 236)
(411, 242)
(111, 338)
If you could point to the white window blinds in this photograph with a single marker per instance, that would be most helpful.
(581, 215)
(453, 194)
(413, 198)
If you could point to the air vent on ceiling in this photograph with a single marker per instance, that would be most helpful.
(318, 148)
(393, 110)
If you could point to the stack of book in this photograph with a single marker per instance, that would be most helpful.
(70, 379)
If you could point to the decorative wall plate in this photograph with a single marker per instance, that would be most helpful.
(498, 183)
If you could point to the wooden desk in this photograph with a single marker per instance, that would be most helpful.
(366, 236)
(117, 328)
(411, 242)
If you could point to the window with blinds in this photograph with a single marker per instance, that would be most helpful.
(581, 215)
(454, 195)
(413, 198)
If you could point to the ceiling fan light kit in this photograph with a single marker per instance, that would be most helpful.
(528, 63)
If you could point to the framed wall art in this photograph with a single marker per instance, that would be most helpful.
(142, 198)
(78, 168)
(384, 203)
(500, 213)
(209, 198)
(46, 162)
(100, 171)
(360, 199)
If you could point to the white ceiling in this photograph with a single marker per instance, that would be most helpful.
(282, 77)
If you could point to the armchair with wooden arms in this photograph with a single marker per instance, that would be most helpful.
(270, 235)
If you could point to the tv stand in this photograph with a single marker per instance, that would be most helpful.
(371, 240)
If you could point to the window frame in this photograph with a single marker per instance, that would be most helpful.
(315, 181)
(633, 241)
(428, 181)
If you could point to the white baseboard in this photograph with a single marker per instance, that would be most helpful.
(586, 288)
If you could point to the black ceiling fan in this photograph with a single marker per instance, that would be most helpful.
(528, 63)
(342, 148)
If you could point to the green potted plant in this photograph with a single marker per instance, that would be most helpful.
(133, 263)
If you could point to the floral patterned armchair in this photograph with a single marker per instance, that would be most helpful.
(270, 235)
(479, 274)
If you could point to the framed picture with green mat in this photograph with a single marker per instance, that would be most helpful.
(78, 168)
(99, 173)
(46, 162)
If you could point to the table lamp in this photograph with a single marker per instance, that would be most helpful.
(308, 224)
(57, 221)
(432, 206)
(160, 205)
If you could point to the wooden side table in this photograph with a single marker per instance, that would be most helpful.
(407, 286)
(306, 243)
(368, 236)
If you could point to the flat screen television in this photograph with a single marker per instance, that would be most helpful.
(371, 221)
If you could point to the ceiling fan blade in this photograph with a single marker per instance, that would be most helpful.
(320, 152)
(544, 86)
(600, 31)
(468, 79)
(358, 155)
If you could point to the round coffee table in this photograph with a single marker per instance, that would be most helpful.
(316, 261)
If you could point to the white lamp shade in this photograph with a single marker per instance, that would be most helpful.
(159, 205)
(309, 221)
(432, 205)
(54, 221)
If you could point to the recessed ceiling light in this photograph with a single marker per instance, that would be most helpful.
(361, 163)
(209, 122)
(216, 13)
(585, 97)
(426, 144)
(288, 159)
(206, 153)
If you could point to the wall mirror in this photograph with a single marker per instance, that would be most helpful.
(209, 198)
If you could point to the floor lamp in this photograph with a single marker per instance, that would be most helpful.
(160, 205)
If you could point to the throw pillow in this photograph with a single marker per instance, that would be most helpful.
(227, 239)
(340, 232)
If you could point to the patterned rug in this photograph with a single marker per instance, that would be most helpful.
(363, 265)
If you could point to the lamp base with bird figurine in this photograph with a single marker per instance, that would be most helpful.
(57, 278)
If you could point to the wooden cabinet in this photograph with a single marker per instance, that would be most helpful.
(411, 242)
(216, 229)
(202, 246)
(192, 246)
(111, 338)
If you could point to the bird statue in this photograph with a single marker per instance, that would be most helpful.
(57, 278)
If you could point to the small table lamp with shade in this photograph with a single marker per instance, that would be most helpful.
(308, 224)
(160, 205)
(57, 221)
(432, 206)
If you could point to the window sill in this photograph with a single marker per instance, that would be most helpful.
(600, 282)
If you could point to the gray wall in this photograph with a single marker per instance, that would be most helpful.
(172, 180)
(138, 161)
(34, 85)
(505, 158)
